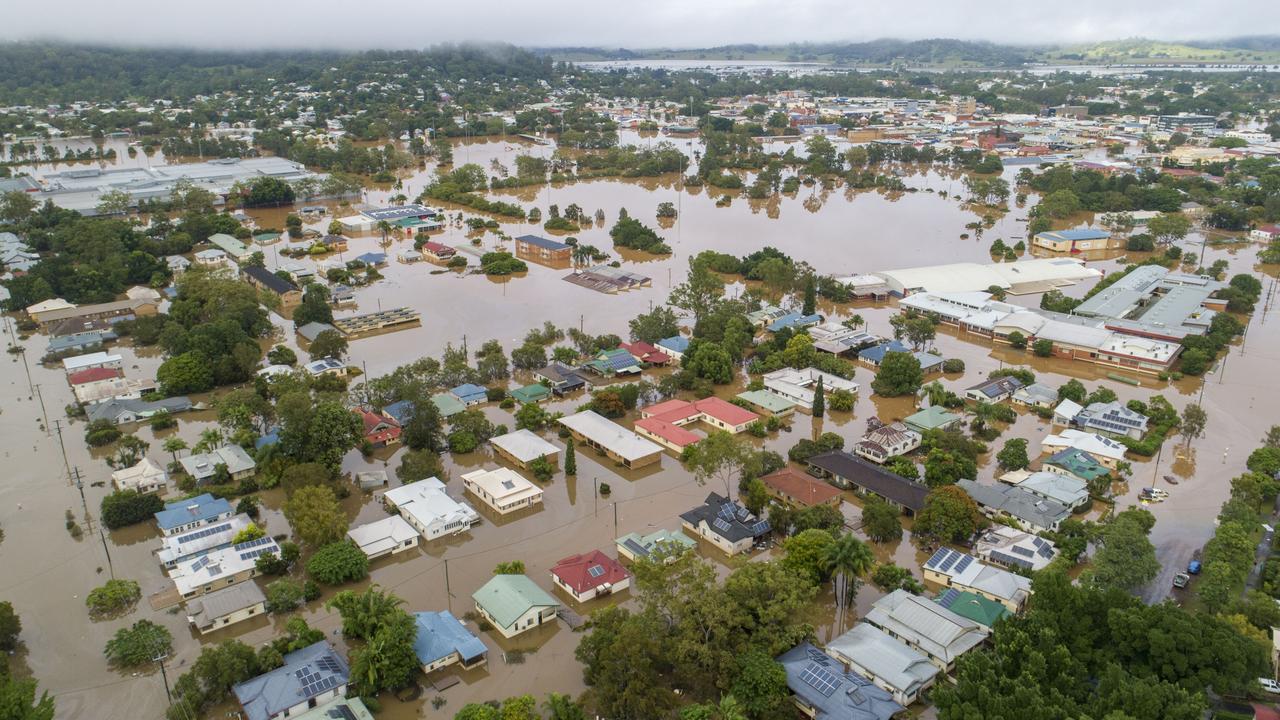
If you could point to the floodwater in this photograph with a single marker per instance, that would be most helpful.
(46, 573)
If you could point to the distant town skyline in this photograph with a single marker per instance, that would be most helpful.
(658, 24)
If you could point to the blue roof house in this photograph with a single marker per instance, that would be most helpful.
(793, 320)
(442, 640)
(182, 515)
(874, 355)
(373, 259)
(312, 676)
(469, 394)
(675, 346)
(400, 411)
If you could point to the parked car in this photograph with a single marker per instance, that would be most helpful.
(1269, 685)
(1181, 579)
(1193, 567)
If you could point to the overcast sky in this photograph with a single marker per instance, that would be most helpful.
(324, 24)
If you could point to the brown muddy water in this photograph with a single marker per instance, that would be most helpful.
(46, 573)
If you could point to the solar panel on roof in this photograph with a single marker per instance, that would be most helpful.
(727, 512)
(328, 663)
(1023, 551)
(253, 543)
(965, 560)
(761, 527)
(1045, 552)
(200, 563)
(203, 532)
(721, 524)
(937, 556)
(950, 560)
(948, 598)
(820, 679)
(816, 655)
(1001, 557)
(595, 571)
(1038, 542)
(635, 547)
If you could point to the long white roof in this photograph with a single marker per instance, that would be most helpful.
(427, 501)
(610, 435)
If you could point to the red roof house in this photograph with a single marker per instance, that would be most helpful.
(590, 575)
(796, 488)
(379, 430)
(94, 375)
(646, 353)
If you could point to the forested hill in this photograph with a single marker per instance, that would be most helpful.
(33, 73)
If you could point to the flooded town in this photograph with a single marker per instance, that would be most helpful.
(849, 380)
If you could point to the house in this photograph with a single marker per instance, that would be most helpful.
(388, 536)
(951, 568)
(346, 708)
(144, 477)
(767, 403)
(889, 663)
(183, 515)
(882, 442)
(442, 640)
(212, 259)
(124, 411)
(447, 404)
(225, 607)
(437, 252)
(1265, 233)
(670, 545)
(365, 479)
(429, 509)
(373, 259)
(765, 315)
(228, 244)
(267, 281)
(838, 339)
(1013, 548)
(590, 575)
(326, 366)
(1104, 450)
(822, 690)
(310, 331)
(611, 363)
(1057, 487)
(1066, 411)
(849, 471)
(78, 343)
(92, 360)
(1113, 419)
(524, 446)
(502, 489)
(645, 354)
(1035, 395)
(221, 568)
(1077, 464)
(400, 412)
(725, 524)
(926, 626)
(665, 423)
(1030, 512)
(543, 250)
(1073, 241)
(514, 604)
(994, 390)
(203, 466)
(793, 321)
(874, 355)
(614, 441)
(796, 489)
(200, 540)
(113, 388)
(469, 394)
(800, 386)
(560, 378)
(309, 677)
(932, 418)
(674, 346)
(93, 375)
(532, 393)
(379, 430)
(972, 606)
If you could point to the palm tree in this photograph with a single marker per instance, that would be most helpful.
(848, 559)
(174, 444)
(384, 227)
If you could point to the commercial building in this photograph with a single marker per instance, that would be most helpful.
(502, 489)
(543, 250)
(617, 443)
(1016, 278)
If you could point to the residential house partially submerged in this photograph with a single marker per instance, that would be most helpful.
(1059, 487)
(951, 568)
(800, 386)
(428, 508)
(590, 575)
(1075, 463)
(1013, 548)
(994, 390)
(388, 536)
(866, 478)
(932, 418)
(226, 607)
(200, 540)
(514, 604)
(442, 640)
(940, 634)
(1004, 502)
(221, 568)
(799, 490)
(888, 662)
(312, 676)
(522, 447)
(1106, 451)
(882, 442)
(123, 412)
(612, 440)
(822, 690)
(502, 489)
(560, 378)
(180, 516)
(725, 523)
(663, 543)
(1113, 419)
(665, 423)
(204, 466)
(143, 477)
(972, 606)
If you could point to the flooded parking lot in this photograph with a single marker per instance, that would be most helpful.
(46, 573)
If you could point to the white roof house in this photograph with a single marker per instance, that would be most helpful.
(799, 386)
(176, 548)
(1010, 547)
(387, 536)
(886, 661)
(202, 466)
(616, 441)
(1107, 451)
(524, 446)
(92, 360)
(429, 509)
(221, 568)
(951, 568)
(145, 477)
(502, 489)
(925, 625)
(1065, 489)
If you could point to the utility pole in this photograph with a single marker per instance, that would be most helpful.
(615, 519)
(448, 593)
(595, 494)
(57, 424)
(43, 412)
(159, 659)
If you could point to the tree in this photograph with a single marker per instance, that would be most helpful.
(509, 567)
(720, 456)
(138, 645)
(113, 597)
(338, 563)
(570, 459)
(328, 344)
(304, 475)
(848, 559)
(315, 516)
(1017, 340)
(416, 465)
(1126, 559)
(128, 507)
(1169, 227)
(810, 295)
(10, 627)
(1194, 420)
(760, 688)
(387, 661)
(881, 521)
(842, 400)
(1014, 455)
(710, 361)
(531, 416)
(185, 374)
(915, 329)
(806, 553)
(18, 698)
(889, 577)
(365, 611)
(899, 374)
(699, 294)
(819, 400)
(945, 467)
(1042, 347)
(657, 324)
(949, 515)
(284, 595)
(1072, 390)
(320, 432)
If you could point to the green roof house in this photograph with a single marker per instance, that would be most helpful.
(534, 393)
(447, 404)
(1076, 463)
(932, 418)
(514, 604)
(766, 402)
(972, 606)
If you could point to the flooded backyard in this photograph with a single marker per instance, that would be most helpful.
(46, 573)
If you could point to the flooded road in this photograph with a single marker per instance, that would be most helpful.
(46, 573)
